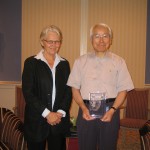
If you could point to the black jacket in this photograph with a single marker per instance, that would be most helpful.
(37, 86)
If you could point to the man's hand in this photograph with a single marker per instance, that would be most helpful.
(108, 115)
(86, 114)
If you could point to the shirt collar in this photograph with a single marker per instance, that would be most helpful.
(41, 57)
(108, 54)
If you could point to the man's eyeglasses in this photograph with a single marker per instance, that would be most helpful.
(52, 42)
(104, 36)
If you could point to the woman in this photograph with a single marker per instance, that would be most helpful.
(47, 96)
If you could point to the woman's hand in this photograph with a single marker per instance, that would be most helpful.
(54, 118)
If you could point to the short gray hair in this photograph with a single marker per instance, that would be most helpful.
(103, 25)
(51, 28)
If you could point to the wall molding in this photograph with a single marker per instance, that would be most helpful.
(84, 25)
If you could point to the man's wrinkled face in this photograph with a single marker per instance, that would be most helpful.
(101, 39)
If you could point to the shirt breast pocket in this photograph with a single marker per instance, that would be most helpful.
(110, 76)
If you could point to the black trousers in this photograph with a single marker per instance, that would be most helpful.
(98, 135)
(54, 142)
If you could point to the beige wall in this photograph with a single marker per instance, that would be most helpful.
(126, 17)
(37, 14)
(128, 21)
(8, 95)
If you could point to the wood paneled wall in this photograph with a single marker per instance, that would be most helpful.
(36, 14)
(127, 18)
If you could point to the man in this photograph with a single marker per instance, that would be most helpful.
(100, 71)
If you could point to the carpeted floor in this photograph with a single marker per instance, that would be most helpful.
(128, 140)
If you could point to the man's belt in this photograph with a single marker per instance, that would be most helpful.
(109, 100)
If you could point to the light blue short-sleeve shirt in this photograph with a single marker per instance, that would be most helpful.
(92, 74)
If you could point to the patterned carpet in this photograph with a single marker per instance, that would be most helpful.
(129, 140)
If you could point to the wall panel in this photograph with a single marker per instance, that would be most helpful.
(127, 18)
(38, 14)
(147, 77)
(10, 41)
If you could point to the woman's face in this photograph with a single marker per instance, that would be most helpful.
(101, 39)
(51, 43)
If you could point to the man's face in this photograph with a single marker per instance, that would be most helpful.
(101, 39)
